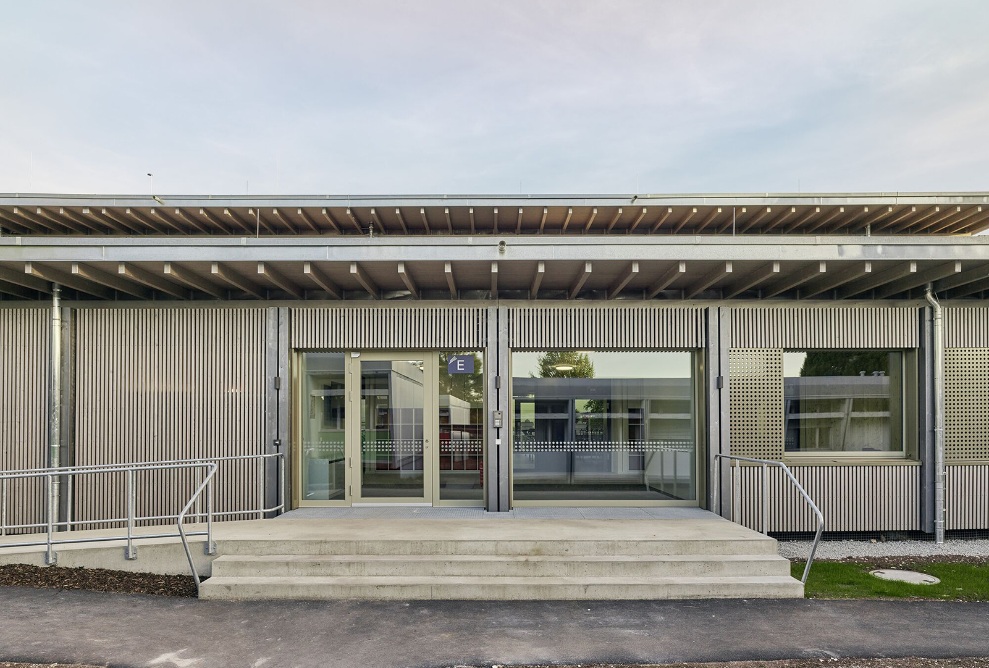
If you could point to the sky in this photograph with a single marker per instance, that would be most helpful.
(314, 97)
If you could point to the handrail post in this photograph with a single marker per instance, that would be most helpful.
(210, 545)
(736, 493)
(765, 499)
(281, 486)
(50, 556)
(3, 508)
(130, 552)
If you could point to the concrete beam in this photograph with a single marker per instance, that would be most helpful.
(279, 280)
(150, 280)
(192, 280)
(322, 280)
(365, 281)
(624, 279)
(235, 280)
(666, 279)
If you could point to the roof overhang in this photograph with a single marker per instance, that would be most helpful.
(393, 267)
(639, 214)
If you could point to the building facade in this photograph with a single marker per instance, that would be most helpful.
(508, 351)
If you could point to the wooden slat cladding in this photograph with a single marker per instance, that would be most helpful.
(24, 359)
(965, 497)
(824, 327)
(167, 384)
(867, 498)
(389, 327)
(966, 327)
(605, 327)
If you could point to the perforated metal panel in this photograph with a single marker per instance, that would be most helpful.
(24, 355)
(605, 327)
(165, 384)
(966, 417)
(966, 327)
(389, 327)
(825, 327)
(756, 398)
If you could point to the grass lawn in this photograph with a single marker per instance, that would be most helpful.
(851, 579)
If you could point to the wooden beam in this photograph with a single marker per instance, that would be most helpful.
(624, 279)
(279, 280)
(236, 280)
(450, 282)
(68, 280)
(151, 280)
(708, 280)
(406, 277)
(756, 278)
(193, 281)
(581, 279)
(537, 280)
(666, 279)
(795, 279)
(317, 276)
(110, 280)
(365, 281)
(836, 279)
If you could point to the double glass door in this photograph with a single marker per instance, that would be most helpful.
(403, 428)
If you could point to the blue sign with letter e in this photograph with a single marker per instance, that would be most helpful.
(460, 364)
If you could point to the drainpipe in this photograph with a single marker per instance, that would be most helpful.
(938, 383)
(55, 401)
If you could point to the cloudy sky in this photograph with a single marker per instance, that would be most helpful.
(448, 96)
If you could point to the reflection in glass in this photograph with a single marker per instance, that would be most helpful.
(843, 401)
(461, 426)
(323, 426)
(392, 429)
(605, 426)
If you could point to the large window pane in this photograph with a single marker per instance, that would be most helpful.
(461, 426)
(843, 401)
(323, 425)
(607, 426)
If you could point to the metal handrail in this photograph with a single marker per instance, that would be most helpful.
(210, 547)
(765, 499)
(210, 465)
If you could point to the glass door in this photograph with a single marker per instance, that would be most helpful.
(393, 428)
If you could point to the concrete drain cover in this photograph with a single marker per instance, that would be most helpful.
(913, 577)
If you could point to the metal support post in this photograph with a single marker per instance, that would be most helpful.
(130, 552)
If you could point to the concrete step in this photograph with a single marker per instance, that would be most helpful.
(750, 545)
(498, 588)
(300, 565)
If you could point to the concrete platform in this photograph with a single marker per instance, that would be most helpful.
(438, 553)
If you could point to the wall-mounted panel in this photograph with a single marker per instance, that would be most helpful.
(966, 418)
(578, 326)
(965, 497)
(851, 498)
(24, 357)
(966, 327)
(389, 327)
(791, 327)
(755, 383)
(168, 384)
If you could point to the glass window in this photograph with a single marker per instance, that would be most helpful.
(323, 426)
(606, 426)
(848, 401)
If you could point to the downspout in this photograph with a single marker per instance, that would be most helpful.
(938, 384)
(55, 401)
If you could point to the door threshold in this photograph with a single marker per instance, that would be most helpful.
(394, 505)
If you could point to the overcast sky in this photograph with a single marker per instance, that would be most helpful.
(457, 97)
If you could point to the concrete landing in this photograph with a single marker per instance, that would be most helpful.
(521, 559)
(437, 553)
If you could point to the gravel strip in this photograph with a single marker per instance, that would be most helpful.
(864, 549)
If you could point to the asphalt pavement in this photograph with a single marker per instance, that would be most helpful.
(44, 625)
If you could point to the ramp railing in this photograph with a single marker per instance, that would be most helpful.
(199, 506)
(765, 464)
